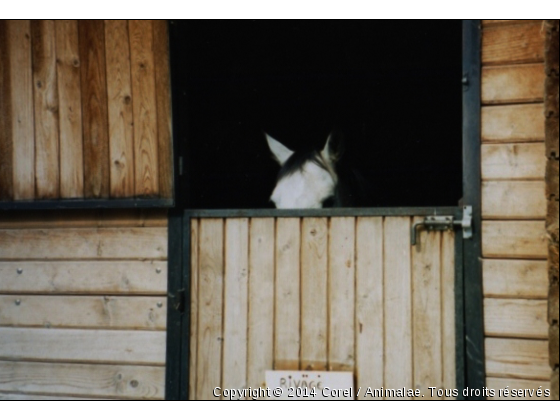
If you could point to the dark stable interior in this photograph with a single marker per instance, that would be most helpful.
(392, 89)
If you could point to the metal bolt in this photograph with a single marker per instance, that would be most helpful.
(465, 80)
(134, 383)
(18, 302)
(19, 270)
(158, 270)
(159, 304)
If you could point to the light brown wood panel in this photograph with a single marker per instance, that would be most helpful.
(515, 278)
(260, 340)
(144, 108)
(523, 318)
(119, 94)
(107, 312)
(496, 22)
(369, 323)
(45, 101)
(210, 307)
(448, 310)
(513, 84)
(517, 358)
(16, 396)
(194, 310)
(314, 260)
(514, 239)
(287, 294)
(94, 108)
(341, 294)
(79, 277)
(6, 145)
(64, 379)
(22, 123)
(47, 219)
(397, 303)
(87, 346)
(84, 244)
(520, 385)
(426, 320)
(524, 161)
(517, 43)
(512, 123)
(70, 109)
(163, 105)
(235, 303)
(513, 200)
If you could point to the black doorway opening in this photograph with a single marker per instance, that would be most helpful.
(392, 88)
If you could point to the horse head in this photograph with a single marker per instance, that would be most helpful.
(306, 179)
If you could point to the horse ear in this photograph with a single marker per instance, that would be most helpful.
(334, 148)
(280, 152)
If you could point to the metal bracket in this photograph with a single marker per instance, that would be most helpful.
(444, 223)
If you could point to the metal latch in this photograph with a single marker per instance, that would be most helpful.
(445, 223)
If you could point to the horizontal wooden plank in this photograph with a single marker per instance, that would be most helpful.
(524, 161)
(513, 84)
(517, 358)
(96, 346)
(114, 312)
(514, 239)
(512, 123)
(87, 243)
(47, 219)
(508, 44)
(84, 277)
(519, 385)
(513, 200)
(515, 278)
(17, 396)
(522, 318)
(502, 22)
(137, 382)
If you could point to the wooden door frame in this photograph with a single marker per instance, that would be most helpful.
(469, 323)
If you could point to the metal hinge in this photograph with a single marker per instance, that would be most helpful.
(445, 223)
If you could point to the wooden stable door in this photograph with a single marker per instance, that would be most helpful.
(321, 293)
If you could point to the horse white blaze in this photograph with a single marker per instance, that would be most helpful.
(305, 189)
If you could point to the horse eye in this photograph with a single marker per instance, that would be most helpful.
(328, 202)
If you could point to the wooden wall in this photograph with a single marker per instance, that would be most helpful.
(514, 206)
(83, 305)
(343, 293)
(85, 109)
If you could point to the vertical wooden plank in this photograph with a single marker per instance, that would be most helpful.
(210, 301)
(144, 108)
(369, 303)
(341, 288)
(234, 363)
(119, 96)
(314, 293)
(426, 316)
(94, 108)
(448, 310)
(194, 309)
(397, 302)
(45, 99)
(70, 109)
(163, 105)
(287, 294)
(260, 342)
(22, 121)
(6, 146)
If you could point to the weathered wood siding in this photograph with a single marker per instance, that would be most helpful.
(83, 305)
(85, 110)
(514, 244)
(342, 293)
